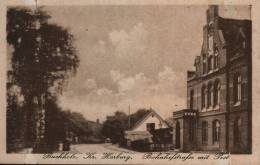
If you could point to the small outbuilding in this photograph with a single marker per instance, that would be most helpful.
(150, 133)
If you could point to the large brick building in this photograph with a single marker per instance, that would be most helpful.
(219, 91)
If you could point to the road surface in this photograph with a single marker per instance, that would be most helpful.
(98, 148)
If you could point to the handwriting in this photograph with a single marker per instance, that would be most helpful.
(121, 155)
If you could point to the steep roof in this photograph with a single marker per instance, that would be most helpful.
(233, 29)
(137, 116)
(231, 33)
(144, 116)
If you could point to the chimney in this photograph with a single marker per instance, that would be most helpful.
(97, 121)
(212, 13)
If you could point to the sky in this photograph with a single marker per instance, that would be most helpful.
(133, 55)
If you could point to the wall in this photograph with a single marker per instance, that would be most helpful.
(181, 133)
(241, 68)
(197, 86)
(189, 145)
(232, 60)
(240, 110)
(210, 145)
(242, 147)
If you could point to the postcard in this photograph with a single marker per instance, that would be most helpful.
(130, 82)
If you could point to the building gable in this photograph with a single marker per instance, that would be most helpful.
(151, 117)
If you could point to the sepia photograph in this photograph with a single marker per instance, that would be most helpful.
(128, 79)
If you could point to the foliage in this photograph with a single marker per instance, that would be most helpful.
(137, 116)
(78, 122)
(15, 117)
(115, 126)
(42, 59)
(55, 124)
(60, 122)
(43, 52)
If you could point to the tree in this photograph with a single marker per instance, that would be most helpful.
(43, 58)
(15, 118)
(43, 52)
(115, 126)
(55, 127)
(137, 116)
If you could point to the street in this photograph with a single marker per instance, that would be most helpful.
(98, 148)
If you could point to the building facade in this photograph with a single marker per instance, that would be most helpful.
(149, 133)
(219, 91)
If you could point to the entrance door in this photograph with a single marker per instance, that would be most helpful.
(177, 135)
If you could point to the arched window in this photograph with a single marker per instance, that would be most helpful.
(210, 63)
(204, 64)
(203, 96)
(210, 95)
(210, 44)
(237, 130)
(237, 88)
(204, 132)
(216, 131)
(191, 99)
(216, 93)
(216, 56)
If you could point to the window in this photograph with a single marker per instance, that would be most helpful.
(237, 131)
(244, 44)
(203, 97)
(204, 132)
(210, 95)
(216, 131)
(241, 43)
(212, 63)
(210, 44)
(216, 93)
(216, 56)
(191, 130)
(160, 124)
(209, 63)
(237, 86)
(204, 64)
(191, 99)
(150, 126)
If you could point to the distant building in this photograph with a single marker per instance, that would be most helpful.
(219, 91)
(151, 130)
